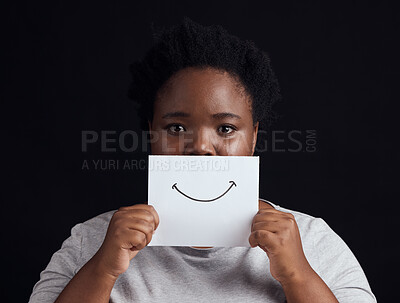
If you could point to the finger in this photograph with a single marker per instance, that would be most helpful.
(143, 226)
(133, 240)
(141, 214)
(155, 214)
(260, 238)
(130, 207)
(266, 217)
(271, 226)
(152, 210)
(273, 211)
(125, 216)
(145, 207)
(270, 210)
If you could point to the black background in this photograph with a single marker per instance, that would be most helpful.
(66, 70)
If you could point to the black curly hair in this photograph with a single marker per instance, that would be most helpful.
(192, 45)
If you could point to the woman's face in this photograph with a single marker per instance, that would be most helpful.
(203, 112)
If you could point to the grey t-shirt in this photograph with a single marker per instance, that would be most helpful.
(185, 274)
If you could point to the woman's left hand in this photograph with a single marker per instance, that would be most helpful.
(277, 234)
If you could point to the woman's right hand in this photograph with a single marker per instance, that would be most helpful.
(130, 229)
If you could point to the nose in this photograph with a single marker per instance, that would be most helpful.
(200, 144)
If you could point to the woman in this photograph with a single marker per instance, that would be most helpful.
(204, 92)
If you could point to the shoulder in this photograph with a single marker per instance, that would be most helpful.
(318, 239)
(90, 234)
(98, 223)
(95, 226)
(305, 222)
(331, 258)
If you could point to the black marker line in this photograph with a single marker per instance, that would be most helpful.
(201, 200)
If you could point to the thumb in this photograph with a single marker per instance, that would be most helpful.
(253, 240)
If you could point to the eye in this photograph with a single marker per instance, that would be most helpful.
(175, 128)
(226, 129)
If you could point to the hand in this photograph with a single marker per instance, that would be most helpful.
(130, 230)
(277, 234)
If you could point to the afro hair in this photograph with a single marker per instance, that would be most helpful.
(192, 45)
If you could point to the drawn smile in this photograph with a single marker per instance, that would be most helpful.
(204, 200)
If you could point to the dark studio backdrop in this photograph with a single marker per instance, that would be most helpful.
(330, 154)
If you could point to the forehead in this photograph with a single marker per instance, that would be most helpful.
(209, 89)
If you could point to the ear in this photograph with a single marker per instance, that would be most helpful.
(255, 132)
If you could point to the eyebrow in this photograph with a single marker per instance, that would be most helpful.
(175, 114)
(218, 116)
(226, 115)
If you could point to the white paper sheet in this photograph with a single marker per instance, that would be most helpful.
(203, 200)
